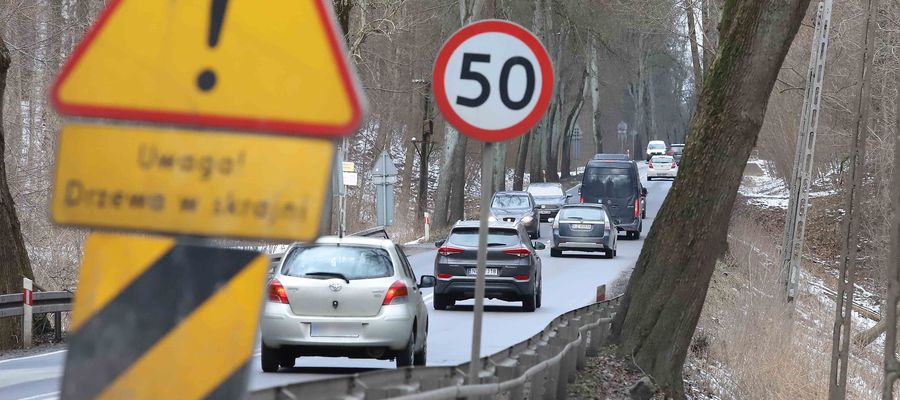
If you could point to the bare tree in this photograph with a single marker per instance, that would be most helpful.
(15, 264)
(665, 294)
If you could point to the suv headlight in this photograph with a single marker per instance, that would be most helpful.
(492, 219)
(527, 219)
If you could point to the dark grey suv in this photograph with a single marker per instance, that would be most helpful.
(513, 266)
(517, 207)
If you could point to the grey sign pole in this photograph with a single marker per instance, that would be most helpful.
(622, 130)
(487, 172)
(384, 176)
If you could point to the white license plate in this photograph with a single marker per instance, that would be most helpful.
(582, 227)
(327, 329)
(487, 272)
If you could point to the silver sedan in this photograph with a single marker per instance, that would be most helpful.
(345, 297)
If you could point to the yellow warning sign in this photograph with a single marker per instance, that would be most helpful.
(276, 66)
(188, 182)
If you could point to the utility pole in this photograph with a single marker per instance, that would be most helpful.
(423, 149)
(837, 389)
(795, 224)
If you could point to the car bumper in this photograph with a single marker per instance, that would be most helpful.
(460, 288)
(548, 213)
(629, 225)
(580, 243)
(671, 173)
(389, 329)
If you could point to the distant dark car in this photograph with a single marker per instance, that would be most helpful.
(513, 270)
(549, 197)
(617, 186)
(519, 208)
(676, 151)
(605, 156)
(584, 227)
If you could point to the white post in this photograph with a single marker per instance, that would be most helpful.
(427, 227)
(26, 311)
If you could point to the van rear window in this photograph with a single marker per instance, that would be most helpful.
(608, 183)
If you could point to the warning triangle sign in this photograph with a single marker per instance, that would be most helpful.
(276, 66)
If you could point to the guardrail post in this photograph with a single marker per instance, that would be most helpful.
(57, 326)
(572, 355)
(27, 321)
(554, 372)
(541, 379)
(580, 356)
(527, 359)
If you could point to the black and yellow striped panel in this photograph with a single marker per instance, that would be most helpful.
(158, 319)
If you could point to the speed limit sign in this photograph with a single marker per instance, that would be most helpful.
(493, 80)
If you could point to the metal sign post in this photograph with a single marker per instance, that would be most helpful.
(792, 246)
(622, 130)
(384, 176)
(486, 55)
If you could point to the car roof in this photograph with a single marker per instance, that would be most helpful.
(492, 224)
(611, 156)
(544, 184)
(513, 193)
(677, 144)
(656, 141)
(582, 205)
(610, 164)
(356, 240)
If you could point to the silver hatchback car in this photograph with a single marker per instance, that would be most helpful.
(351, 297)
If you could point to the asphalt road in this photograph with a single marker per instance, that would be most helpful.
(569, 282)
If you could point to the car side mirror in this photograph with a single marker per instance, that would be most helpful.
(550, 220)
(439, 243)
(568, 195)
(538, 245)
(427, 281)
(643, 191)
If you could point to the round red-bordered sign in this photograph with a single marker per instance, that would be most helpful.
(493, 80)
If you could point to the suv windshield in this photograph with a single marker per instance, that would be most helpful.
(468, 237)
(582, 213)
(545, 190)
(608, 182)
(510, 201)
(656, 146)
(352, 262)
(677, 149)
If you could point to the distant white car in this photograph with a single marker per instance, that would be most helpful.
(351, 297)
(656, 148)
(662, 167)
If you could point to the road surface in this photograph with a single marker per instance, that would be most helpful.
(569, 282)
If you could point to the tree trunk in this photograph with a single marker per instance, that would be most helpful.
(499, 158)
(595, 98)
(551, 163)
(458, 191)
(710, 20)
(445, 179)
(521, 160)
(566, 136)
(665, 294)
(15, 263)
(695, 49)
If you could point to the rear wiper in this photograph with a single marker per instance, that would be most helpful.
(496, 244)
(329, 274)
(578, 218)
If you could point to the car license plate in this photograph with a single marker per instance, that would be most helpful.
(582, 227)
(487, 272)
(328, 329)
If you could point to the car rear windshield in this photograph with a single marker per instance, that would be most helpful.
(545, 190)
(608, 182)
(351, 262)
(661, 159)
(656, 146)
(468, 237)
(510, 201)
(582, 213)
(677, 149)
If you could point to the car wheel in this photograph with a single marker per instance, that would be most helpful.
(538, 232)
(537, 302)
(269, 359)
(287, 361)
(643, 214)
(405, 357)
(442, 302)
(422, 354)
(555, 252)
(529, 303)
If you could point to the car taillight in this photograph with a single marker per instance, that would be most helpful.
(650, 164)
(674, 165)
(522, 277)
(444, 276)
(637, 207)
(396, 294)
(518, 252)
(449, 251)
(582, 200)
(277, 294)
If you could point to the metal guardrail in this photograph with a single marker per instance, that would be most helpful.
(13, 305)
(539, 367)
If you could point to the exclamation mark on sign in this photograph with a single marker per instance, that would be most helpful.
(207, 78)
